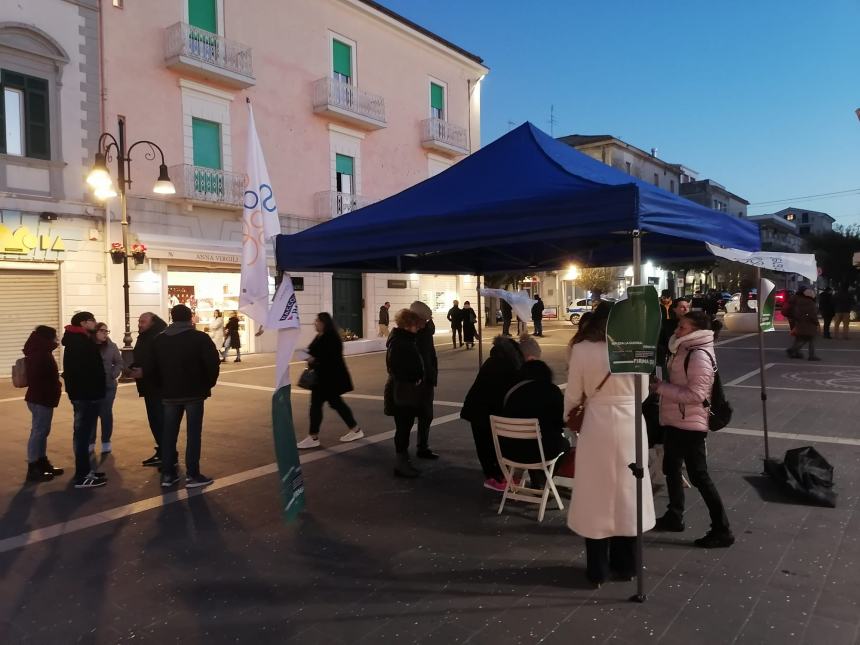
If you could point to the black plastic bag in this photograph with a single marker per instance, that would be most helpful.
(805, 472)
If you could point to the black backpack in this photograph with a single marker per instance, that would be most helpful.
(719, 408)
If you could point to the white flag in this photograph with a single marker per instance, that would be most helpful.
(284, 316)
(800, 263)
(260, 223)
(521, 302)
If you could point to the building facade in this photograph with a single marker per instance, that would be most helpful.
(52, 260)
(710, 194)
(352, 103)
(807, 222)
(778, 234)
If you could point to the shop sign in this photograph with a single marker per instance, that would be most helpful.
(633, 330)
(217, 257)
(550, 313)
(22, 241)
(398, 284)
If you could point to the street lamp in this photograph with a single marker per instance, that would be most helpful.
(100, 180)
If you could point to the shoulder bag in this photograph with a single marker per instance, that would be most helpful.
(577, 414)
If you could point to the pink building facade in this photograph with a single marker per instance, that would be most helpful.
(352, 104)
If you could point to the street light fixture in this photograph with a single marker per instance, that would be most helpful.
(100, 180)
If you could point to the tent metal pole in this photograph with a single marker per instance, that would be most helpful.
(761, 367)
(480, 325)
(638, 470)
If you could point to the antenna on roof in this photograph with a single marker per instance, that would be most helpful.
(552, 120)
(511, 125)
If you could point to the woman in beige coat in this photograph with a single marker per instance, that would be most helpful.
(603, 506)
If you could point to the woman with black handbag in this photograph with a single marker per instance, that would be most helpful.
(404, 390)
(331, 380)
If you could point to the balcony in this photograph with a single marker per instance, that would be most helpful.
(210, 56)
(331, 204)
(208, 185)
(444, 137)
(346, 102)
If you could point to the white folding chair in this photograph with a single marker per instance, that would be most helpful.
(524, 430)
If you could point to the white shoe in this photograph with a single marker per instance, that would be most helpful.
(106, 447)
(352, 435)
(92, 448)
(308, 442)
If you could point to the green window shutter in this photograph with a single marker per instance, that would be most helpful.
(2, 115)
(36, 119)
(437, 96)
(203, 14)
(344, 165)
(207, 143)
(342, 58)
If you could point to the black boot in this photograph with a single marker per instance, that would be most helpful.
(35, 473)
(403, 467)
(48, 467)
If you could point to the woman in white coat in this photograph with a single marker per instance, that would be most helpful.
(603, 506)
(216, 329)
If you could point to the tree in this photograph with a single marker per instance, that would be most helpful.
(834, 253)
(598, 280)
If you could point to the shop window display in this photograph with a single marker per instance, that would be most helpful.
(204, 292)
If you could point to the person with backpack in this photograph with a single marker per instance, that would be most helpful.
(685, 416)
(43, 395)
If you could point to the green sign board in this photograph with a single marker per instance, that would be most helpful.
(287, 455)
(766, 304)
(633, 331)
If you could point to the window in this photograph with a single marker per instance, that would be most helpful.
(344, 174)
(207, 143)
(672, 185)
(24, 116)
(341, 61)
(203, 14)
(437, 101)
(720, 206)
(804, 219)
(117, 4)
(789, 217)
(656, 179)
(627, 166)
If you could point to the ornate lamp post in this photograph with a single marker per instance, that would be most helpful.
(100, 180)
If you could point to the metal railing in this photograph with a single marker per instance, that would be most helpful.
(208, 185)
(331, 203)
(441, 131)
(331, 92)
(186, 40)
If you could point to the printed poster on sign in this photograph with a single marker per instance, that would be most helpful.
(633, 330)
(766, 304)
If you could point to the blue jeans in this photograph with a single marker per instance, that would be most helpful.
(37, 446)
(155, 417)
(86, 418)
(106, 414)
(173, 413)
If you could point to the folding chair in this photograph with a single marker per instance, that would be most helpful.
(524, 430)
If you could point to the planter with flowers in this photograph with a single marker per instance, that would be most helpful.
(117, 252)
(138, 252)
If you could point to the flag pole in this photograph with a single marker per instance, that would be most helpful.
(638, 470)
(480, 326)
(761, 364)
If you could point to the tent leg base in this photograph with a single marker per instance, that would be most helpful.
(638, 597)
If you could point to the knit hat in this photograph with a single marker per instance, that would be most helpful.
(421, 309)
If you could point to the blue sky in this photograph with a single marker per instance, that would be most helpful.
(757, 95)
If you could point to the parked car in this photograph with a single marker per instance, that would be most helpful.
(734, 305)
(578, 307)
(781, 297)
(722, 299)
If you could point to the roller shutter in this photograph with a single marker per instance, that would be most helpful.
(27, 299)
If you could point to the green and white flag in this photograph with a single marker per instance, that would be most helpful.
(766, 304)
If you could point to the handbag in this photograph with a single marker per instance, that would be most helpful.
(309, 379)
(577, 414)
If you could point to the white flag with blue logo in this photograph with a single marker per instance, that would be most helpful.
(260, 224)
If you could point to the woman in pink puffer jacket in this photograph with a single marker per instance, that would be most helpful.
(684, 416)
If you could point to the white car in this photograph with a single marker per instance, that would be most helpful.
(734, 305)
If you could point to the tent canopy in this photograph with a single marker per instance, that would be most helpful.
(523, 202)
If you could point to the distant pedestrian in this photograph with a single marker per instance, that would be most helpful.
(804, 312)
(186, 367)
(383, 320)
(149, 326)
(787, 309)
(333, 380)
(112, 362)
(233, 341)
(84, 375)
(43, 395)
(680, 308)
(843, 303)
(666, 305)
(486, 396)
(404, 391)
(424, 341)
(685, 420)
(455, 317)
(507, 317)
(216, 329)
(537, 316)
(470, 319)
(827, 309)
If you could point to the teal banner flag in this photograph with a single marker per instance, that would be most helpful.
(632, 332)
(287, 454)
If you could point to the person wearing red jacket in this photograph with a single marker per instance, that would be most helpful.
(43, 395)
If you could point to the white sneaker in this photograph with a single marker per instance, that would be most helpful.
(106, 447)
(92, 448)
(308, 442)
(352, 435)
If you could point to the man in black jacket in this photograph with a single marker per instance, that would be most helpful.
(383, 320)
(424, 341)
(455, 317)
(537, 316)
(84, 375)
(185, 366)
(507, 317)
(148, 327)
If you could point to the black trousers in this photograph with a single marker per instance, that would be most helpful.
(485, 448)
(425, 418)
(318, 397)
(689, 447)
(404, 419)
(828, 319)
(506, 326)
(457, 330)
(610, 555)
